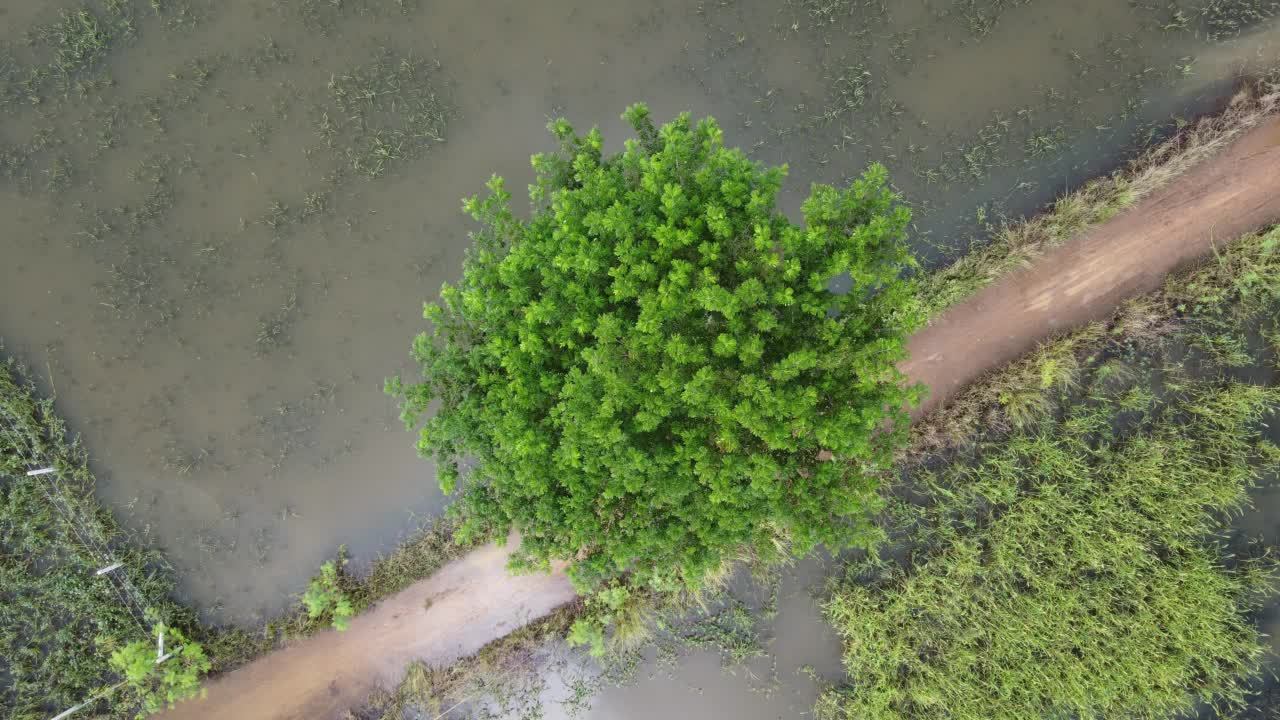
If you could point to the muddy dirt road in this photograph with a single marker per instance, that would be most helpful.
(474, 600)
(1235, 192)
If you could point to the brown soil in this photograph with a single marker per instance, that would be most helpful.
(1237, 191)
(474, 601)
(450, 615)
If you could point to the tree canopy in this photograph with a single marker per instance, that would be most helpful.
(652, 372)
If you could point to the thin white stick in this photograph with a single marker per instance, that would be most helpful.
(41, 471)
(109, 568)
(68, 713)
(86, 703)
(172, 651)
(160, 656)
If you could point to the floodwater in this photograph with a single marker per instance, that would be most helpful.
(220, 219)
(799, 655)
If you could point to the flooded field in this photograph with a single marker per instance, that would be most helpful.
(221, 219)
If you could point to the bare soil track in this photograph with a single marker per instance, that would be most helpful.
(474, 600)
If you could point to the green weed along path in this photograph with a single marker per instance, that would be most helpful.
(474, 601)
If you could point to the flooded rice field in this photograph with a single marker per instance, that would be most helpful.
(220, 219)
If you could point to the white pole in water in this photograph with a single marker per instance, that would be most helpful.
(41, 471)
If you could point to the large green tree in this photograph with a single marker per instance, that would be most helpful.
(651, 372)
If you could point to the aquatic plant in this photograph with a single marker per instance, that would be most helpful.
(384, 112)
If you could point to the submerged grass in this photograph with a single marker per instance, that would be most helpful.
(1065, 572)
(1016, 245)
(384, 112)
(59, 621)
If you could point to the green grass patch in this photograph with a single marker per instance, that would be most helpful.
(60, 623)
(1068, 572)
(1066, 558)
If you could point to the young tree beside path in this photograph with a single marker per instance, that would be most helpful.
(651, 374)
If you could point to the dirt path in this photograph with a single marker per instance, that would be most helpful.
(474, 600)
(1235, 192)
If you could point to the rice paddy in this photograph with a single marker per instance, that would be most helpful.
(220, 218)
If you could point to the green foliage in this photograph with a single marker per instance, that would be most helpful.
(59, 622)
(643, 376)
(1066, 572)
(626, 613)
(589, 632)
(155, 686)
(325, 598)
(1222, 300)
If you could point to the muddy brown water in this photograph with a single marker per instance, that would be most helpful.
(216, 295)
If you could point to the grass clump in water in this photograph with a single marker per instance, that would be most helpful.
(1225, 19)
(982, 16)
(1065, 572)
(385, 112)
(69, 52)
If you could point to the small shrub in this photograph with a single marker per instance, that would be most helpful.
(155, 686)
(325, 598)
(589, 632)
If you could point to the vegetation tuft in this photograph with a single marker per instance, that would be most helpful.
(384, 112)
(325, 600)
(162, 681)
